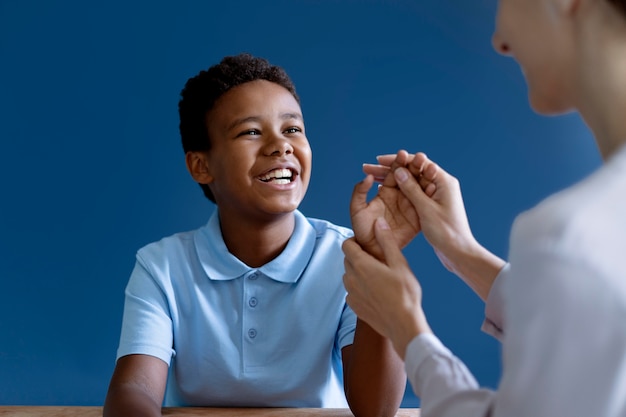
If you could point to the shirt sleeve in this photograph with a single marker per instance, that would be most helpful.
(494, 307)
(347, 327)
(443, 383)
(146, 324)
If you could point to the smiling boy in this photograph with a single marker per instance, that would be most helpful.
(248, 310)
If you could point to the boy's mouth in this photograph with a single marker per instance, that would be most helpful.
(278, 176)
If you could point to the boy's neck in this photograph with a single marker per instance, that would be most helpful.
(257, 243)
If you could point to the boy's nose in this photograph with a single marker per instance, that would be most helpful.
(279, 147)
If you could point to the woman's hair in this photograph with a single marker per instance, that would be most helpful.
(620, 4)
(202, 91)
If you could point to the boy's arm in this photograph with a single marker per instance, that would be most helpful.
(137, 387)
(374, 375)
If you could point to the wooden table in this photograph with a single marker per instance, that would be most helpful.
(60, 411)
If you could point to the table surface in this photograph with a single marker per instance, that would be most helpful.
(61, 411)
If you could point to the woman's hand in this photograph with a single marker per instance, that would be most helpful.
(436, 197)
(389, 203)
(385, 294)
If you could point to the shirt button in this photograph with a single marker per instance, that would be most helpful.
(252, 302)
(253, 275)
(252, 333)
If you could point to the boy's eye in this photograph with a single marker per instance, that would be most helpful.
(293, 130)
(250, 132)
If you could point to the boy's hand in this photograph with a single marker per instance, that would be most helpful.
(390, 203)
(419, 165)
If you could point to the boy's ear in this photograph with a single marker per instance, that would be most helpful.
(198, 166)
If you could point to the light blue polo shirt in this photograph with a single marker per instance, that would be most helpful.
(240, 336)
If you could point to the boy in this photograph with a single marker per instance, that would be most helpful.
(248, 310)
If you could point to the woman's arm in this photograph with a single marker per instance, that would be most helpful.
(436, 197)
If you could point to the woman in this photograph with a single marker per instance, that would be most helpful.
(559, 304)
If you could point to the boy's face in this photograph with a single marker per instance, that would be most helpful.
(259, 163)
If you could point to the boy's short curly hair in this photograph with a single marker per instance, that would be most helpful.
(202, 91)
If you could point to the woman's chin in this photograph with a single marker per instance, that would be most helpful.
(548, 106)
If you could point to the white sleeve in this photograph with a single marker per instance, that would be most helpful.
(442, 382)
(494, 307)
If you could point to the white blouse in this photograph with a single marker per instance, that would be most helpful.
(559, 308)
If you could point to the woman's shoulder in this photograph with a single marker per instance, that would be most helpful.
(585, 218)
(595, 205)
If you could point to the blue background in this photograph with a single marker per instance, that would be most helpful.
(91, 165)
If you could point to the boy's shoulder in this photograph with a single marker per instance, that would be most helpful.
(173, 243)
(322, 226)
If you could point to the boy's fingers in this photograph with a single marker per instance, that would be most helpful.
(359, 194)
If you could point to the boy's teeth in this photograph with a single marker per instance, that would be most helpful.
(281, 176)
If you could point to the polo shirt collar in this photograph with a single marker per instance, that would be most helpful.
(220, 264)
